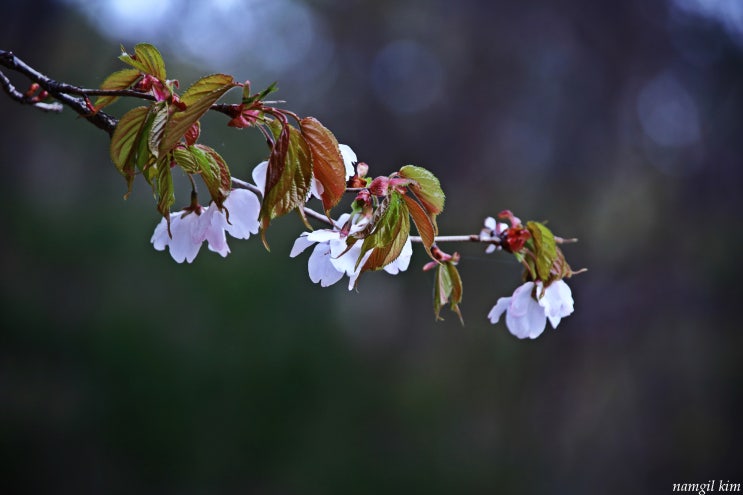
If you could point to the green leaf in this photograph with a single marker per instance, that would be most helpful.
(165, 191)
(327, 161)
(214, 172)
(426, 188)
(144, 159)
(122, 79)
(186, 160)
(545, 248)
(155, 135)
(201, 100)
(422, 222)
(387, 238)
(206, 85)
(248, 100)
(125, 140)
(289, 174)
(146, 59)
(447, 289)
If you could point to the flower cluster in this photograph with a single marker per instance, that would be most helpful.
(531, 304)
(190, 227)
(544, 295)
(332, 258)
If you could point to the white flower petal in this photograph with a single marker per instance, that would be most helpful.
(259, 176)
(316, 189)
(500, 307)
(160, 238)
(349, 158)
(490, 223)
(211, 228)
(529, 324)
(520, 302)
(490, 248)
(323, 235)
(403, 261)
(344, 261)
(185, 244)
(300, 245)
(525, 318)
(243, 207)
(352, 277)
(557, 301)
(320, 268)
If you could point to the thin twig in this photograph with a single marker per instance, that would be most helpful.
(100, 119)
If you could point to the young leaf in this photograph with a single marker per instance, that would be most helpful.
(125, 140)
(165, 191)
(122, 79)
(447, 288)
(327, 162)
(248, 100)
(186, 160)
(206, 85)
(387, 238)
(144, 159)
(422, 222)
(180, 122)
(155, 135)
(545, 248)
(426, 188)
(289, 174)
(146, 59)
(214, 172)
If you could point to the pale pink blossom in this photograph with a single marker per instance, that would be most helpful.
(331, 258)
(192, 226)
(528, 309)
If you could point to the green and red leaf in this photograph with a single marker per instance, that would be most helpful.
(122, 79)
(201, 95)
(147, 59)
(425, 187)
(545, 248)
(447, 288)
(125, 142)
(289, 174)
(422, 220)
(157, 128)
(327, 161)
(165, 190)
(215, 173)
(390, 231)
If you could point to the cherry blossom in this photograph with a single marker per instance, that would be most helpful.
(528, 309)
(185, 242)
(331, 258)
(491, 231)
(192, 226)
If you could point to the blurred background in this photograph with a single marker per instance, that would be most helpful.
(619, 122)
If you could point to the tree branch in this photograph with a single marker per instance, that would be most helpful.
(58, 91)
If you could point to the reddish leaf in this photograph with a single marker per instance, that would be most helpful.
(422, 222)
(327, 162)
(289, 174)
(426, 188)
